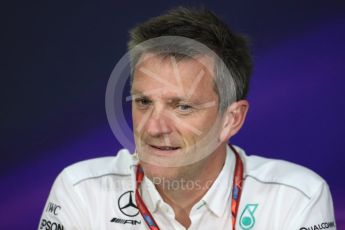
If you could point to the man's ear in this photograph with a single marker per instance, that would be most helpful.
(233, 119)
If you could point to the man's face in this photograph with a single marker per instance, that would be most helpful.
(175, 113)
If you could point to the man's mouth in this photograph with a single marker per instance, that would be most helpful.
(164, 148)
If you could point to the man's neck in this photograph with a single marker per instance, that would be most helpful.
(183, 198)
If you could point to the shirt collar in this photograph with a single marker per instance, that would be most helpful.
(216, 199)
(147, 189)
(150, 195)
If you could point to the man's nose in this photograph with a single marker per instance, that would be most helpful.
(158, 123)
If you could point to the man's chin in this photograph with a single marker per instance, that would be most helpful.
(177, 159)
(154, 171)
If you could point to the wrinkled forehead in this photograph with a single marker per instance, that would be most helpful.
(188, 77)
(179, 64)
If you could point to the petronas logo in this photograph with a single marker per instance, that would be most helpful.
(247, 219)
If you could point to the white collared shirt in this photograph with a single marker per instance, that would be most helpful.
(212, 211)
(99, 194)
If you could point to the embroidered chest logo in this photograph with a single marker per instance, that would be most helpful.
(126, 204)
(247, 219)
(127, 207)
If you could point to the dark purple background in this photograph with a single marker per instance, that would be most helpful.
(56, 58)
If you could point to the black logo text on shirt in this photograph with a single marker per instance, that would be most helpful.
(323, 225)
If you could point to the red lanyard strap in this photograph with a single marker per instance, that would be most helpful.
(150, 221)
(235, 202)
(236, 186)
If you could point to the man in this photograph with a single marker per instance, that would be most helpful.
(190, 77)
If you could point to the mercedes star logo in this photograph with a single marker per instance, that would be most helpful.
(126, 205)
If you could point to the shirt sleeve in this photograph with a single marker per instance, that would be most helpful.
(64, 208)
(318, 213)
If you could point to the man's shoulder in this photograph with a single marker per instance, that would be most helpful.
(274, 171)
(119, 165)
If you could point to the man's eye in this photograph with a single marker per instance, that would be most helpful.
(184, 108)
(142, 102)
